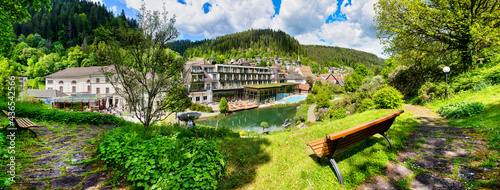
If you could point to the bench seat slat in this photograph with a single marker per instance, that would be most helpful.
(362, 126)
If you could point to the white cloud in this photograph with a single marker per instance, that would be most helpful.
(303, 19)
(96, 1)
(114, 9)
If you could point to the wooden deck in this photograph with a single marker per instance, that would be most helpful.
(237, 106)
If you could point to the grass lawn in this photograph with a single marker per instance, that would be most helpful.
(487, 122)
(284, 161)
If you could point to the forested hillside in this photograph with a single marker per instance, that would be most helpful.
(68, 22)
(270, 43)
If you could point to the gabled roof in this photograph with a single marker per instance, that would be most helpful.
(306, 71)
(42, 93)
(78, 72)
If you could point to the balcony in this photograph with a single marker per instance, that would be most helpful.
(197, 80)
(198, 71)
(197, 89)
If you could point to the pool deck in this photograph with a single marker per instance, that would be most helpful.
(241, 105)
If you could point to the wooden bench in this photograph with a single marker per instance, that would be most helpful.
(23, 123)
(343, 139)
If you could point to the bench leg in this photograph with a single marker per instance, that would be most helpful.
(386, 138)
(32, 132)
(337, 171)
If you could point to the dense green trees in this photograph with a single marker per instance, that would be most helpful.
(223, 106)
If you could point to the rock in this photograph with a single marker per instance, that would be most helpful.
(396, 172)
(79, 157)
(37, 185)
(78, 169)
(93, 180)
(435, 142)
(42, 173)
(48, 159)
(467, 173)
(426, 180)
(377, 183)
(64, 139)
(445, 153)
(65, 182)
(406, 155)
(435, 164)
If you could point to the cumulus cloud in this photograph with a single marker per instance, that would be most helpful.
(114, 9)
(303, 19)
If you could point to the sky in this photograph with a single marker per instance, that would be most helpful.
(343, 23)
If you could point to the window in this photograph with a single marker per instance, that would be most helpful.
(97, 91)
(204, 98)
(88, 81)
(197, 99)
(61, 88)
(107, 90)
(50, 88)
(73, 89)
(61, 82)
(88, 88)
(49, 81)
(97, 80)
(73, 82)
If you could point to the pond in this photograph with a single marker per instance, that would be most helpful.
(250, 119)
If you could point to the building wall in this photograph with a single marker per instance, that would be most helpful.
(80, 85)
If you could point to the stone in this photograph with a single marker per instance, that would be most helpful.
(396, 172)
(93, 180)
(64, 139)
(426, 180)
(434, 142)
(467, 173)
(406, 155)
(442, 129)
(37, 185)
(435, 164)
(79, 157)
(42, 173)
(61, 146)
(59, 164)
(445, 153)
(78, 169)
(377, 183)
(48, 159)
(42, 153)
(65, 182)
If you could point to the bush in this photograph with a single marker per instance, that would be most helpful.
(40, 112)
(310, 99)
(223, 106)
(321, 114)
(337, 113)
(323, 100)
(4, 176)
(163, 162)
(467, 81)
(296, 119)
(366, 104)
(388, 97)
(200, 108)
(461, 109)
(494, 76)
(430, 91)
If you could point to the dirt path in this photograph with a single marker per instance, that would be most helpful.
(310, 113)
(436, 157)
(62, 158)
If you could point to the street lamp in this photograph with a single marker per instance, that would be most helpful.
(446, 70)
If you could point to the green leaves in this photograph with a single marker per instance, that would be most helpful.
(388, 97)
(461, 109)
(164, 162)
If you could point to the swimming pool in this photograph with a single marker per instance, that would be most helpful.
(294, 99)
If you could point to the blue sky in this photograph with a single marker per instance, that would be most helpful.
(343, 23)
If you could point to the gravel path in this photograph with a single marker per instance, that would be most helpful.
(436, 157)
(310, 113)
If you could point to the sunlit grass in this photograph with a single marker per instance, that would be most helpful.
(284, 161)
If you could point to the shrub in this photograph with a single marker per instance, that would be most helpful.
(164, 162)
(323, 100)
(201, 108)
(223, 106)
(296, 119)
(321, 114)
(467, 81)
(461, 109)
(366, 104)
(40, 112)
(264, 125)
(302, 117)
(388, 97)
(494, 76)
(337, 113)
(310, 99)
(430, 91)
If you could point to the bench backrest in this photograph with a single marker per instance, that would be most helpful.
(345, 138)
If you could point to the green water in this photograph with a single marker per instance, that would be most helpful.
(251, 119)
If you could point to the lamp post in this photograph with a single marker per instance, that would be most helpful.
(446, 70)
